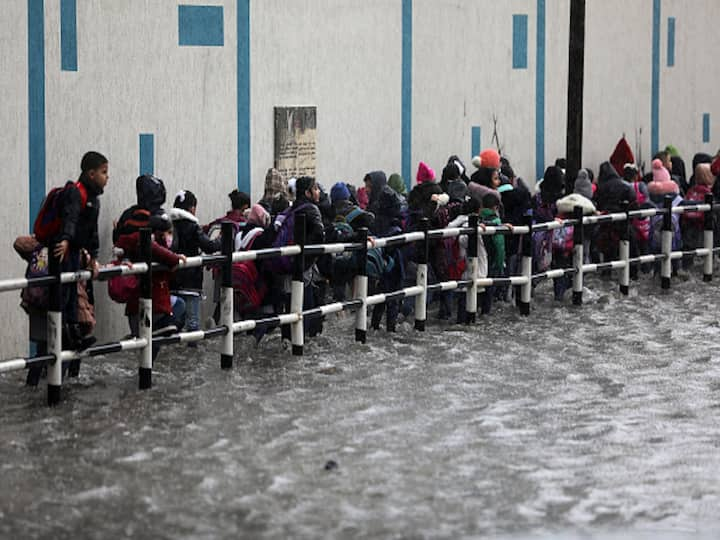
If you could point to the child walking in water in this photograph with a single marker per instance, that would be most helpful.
(189, 240)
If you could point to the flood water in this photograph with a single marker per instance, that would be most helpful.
(592, 422)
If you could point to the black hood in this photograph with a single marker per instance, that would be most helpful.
(378, 181)
(150, 193)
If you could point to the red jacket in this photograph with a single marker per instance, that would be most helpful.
(130, 244)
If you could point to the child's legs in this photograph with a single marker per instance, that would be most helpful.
(192, 311)
(486, 299)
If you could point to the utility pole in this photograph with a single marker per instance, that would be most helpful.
(576, 73)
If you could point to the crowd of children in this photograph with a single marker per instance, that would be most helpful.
(382, 206)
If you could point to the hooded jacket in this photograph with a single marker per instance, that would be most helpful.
(189, 239)
(385, 205)
(613, 193)
(147, 212)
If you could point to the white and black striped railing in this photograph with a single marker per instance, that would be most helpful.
(472, 284)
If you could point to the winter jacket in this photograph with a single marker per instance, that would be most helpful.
(189, 240)
(79, 225)
(613, 193)
(385, 204)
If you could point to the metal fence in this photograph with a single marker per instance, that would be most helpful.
(296, 317)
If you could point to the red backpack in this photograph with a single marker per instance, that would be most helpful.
(48, 223)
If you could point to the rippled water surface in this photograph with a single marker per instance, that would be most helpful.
(592, 422)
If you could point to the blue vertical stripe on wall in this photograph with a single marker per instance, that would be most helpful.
(147, 153)
(520, 37)
(36, 105)
(406, 105)
(655, 85)
(243, 95)
(706, 127)
(68, 35)
(475, 142)
(540, 92)
(671, 42)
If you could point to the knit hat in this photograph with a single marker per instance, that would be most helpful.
(425, 174)
(659, 172)
(674, 152)
(259, 216)
(490, 158)
(715, 167)
(661, 183)
(397, 183)
(339, 192)
(274, 184)
(583, 186)
(703, 175)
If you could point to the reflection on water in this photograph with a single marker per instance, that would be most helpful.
(592, 422)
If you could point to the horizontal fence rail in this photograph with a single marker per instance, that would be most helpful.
(472, 282)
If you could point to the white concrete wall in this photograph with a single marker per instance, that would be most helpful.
(344, 57)
(14, 215)
(691, 87)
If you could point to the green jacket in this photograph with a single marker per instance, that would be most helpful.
(496, 253)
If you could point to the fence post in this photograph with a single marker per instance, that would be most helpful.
(54, 330)
(145, 313)
(361, 287)
(297, 287)
(471, 293)
(667, 234)
(526, 268)
(421, 299)
(578, 255)
(227, 309)
(625, 255)
(709, 239)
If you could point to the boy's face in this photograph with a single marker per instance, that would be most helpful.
(99, 177)
(368, 186)
(313, 193)
(495, 179)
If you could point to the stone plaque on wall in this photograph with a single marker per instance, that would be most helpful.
(295, 130)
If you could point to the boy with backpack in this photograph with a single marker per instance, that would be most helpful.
(189, 240)
(67, 222)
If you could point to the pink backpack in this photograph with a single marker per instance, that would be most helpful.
(640, 225)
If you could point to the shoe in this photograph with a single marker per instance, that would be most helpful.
(164, 330)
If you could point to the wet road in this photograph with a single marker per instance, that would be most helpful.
(592, 422)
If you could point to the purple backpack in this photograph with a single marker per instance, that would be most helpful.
(284, 237)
